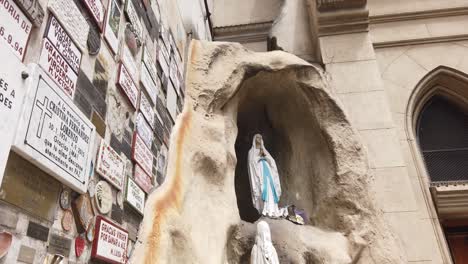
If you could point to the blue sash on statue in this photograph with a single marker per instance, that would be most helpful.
(267, 178)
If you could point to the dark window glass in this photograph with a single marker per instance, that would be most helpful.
(443, 137)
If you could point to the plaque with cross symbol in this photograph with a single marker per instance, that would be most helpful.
(53, 134)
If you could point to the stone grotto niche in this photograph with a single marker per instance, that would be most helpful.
(203, 211)
(276, 107)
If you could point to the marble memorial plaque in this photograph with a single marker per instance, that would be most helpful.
(165, 34)
(141, 154)
(164, 52)
(29, 188)
(150, 86)
(149, 63)
(144, 130)
(96, 8)
(146, 109)
(132, 15)
(172, 101)
(15, 28)
(161, 162)
(110, 242)
(59, 245)
(71, 18)
(26, 254)
(143, 179)
(103, 197)
(37, 231)
(83, 212)
(64, 44)
(67, 220)
(125, 82)
(110, 165)
(65, 199)
(173, 45)
(163, 63)
(12, 90)
(156, 10)
(54, 134)
(135, 196)
(173, 72)
(130, 64)
(111, 30)
(57, 68)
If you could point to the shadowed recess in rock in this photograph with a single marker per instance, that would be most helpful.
(274, 106)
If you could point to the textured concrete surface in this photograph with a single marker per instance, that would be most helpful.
(192, 217)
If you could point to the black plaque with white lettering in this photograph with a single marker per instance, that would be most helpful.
(37, 231)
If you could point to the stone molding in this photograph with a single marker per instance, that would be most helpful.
(419, 41)
(408, 16)
(451, 199)
(458, 11)
(341, 16)
(243, 33)
(343, 21)
(334, 5)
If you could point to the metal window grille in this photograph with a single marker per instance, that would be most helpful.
(443, 137)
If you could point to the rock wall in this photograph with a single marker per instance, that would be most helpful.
(195, 216)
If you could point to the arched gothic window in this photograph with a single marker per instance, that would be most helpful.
(442, 132)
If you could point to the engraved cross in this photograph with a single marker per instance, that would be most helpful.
(45, 111)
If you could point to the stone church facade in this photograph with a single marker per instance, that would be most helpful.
(127, 123)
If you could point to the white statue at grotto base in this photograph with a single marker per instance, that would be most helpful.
(263, 252)
(264, 180)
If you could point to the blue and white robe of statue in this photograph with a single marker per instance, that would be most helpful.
(264, 182)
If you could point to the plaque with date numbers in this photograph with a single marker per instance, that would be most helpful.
(15, 28)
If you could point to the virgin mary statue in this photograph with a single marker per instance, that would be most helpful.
(264, 180)
(263, 252)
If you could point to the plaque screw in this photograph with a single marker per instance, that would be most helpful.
(24, 74)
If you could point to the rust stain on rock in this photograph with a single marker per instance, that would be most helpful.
(172, 198)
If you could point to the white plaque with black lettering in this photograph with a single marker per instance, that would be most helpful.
(64, 44)
(172, 101)
(152, 87)
(146, 109)
(135, 196)
(57, 67)
(96, 8)
(132, 15)
(130, 63)
(15, 28)
(53, 133)
(12, 89)
(149, 62)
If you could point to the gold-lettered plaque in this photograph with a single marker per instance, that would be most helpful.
(27, 187)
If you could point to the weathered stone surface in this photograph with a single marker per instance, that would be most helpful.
(196, 215)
